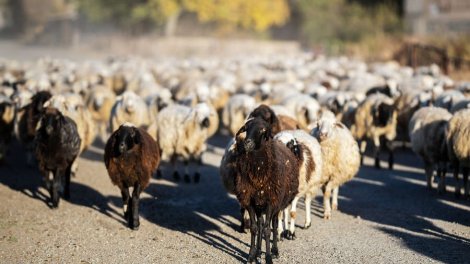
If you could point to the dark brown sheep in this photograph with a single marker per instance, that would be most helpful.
(266, 182)
(29, 118)
(277, 123)
(57, 145)
(131, 156)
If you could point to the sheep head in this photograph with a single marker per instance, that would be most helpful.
(266, 113)
(383, 113)
(125, 138)
(325, 126)
(257, 131)
(51, 119)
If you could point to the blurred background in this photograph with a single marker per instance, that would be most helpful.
(371, 30)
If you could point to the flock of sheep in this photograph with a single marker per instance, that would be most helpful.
(298, 124)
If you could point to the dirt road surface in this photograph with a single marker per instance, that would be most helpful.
(385, 217)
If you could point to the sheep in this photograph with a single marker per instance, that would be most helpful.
(308, 153)
(278, 123)
(99, 103)
(266, 183)
(463, 104)
(29, 118)
(458, 132)
(304, 107)
(131, 156)
(57, 145)
(448, 99)
(428, 140)
(182, 132)
(129, 107)
(340, 156)
(376, 118)
(7, 118)
(236, 111)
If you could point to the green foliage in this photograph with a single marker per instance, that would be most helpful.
(334, 23)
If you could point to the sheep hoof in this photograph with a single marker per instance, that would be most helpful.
(275, 252)
(307, 226)
(135, 228)
(159, 174)
(390, 166)
(327, 216)
(176, 176)
(197, 177)
(251, 259)
(187, 179)
(377, 163)
(290, 235)
(269, 259)
(334, 207)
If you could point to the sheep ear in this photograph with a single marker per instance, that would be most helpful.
(339, 125)
(241, 130)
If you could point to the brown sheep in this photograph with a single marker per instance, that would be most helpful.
(266, 182)
(131, 156)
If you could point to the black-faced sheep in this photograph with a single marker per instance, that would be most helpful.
(428, 140)
(340, 155)
(57, 145)
(376, 120)
(29, 118)
(309, 157)
(277, 124)
(458, 134)
(266, 183)
(131, 156)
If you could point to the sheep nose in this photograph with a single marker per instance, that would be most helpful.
(323, 136)
(122, 147)
(249, 144)
(49, 129)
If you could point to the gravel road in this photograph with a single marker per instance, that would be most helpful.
(385, 217)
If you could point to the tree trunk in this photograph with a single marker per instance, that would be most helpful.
(171, 24)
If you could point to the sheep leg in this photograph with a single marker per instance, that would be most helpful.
(377, 152)
(308, 211)
(363, 146)
(389, 146)
(186, 172)
(125, 201)
(245, 220)
(254, 232)
(442, 171)
(293, 211)
(456, 178)
(197, 174)
(159, 174)
(279, 225)
(55, 188)
(429, 171)
(74, 167)
(267, 235)
(135, 206)
(326, 200)
(275, 249)
(176, 175)
(68, 173)
(260, 235)
(334, 205)
(465, 172)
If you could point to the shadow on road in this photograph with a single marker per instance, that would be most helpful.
(195, 209)
(400, 201)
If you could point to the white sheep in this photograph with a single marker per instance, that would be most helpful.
(448, 99)
(100, 103)
(236, 110)
(304, 107)
(182, 131)
(458, 134)
(340, 155)
(308, 152)
(428, 140)
(129, 107)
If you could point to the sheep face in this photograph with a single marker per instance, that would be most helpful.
(383, 114)
(39, 99)
(257, 131)
(51, 119)
(125, 139)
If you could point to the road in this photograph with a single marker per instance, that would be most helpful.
(384, 217)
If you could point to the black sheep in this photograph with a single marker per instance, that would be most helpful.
(29, 118)
(7, 118)
(266, 182)
(57, 145)
(131, 156)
